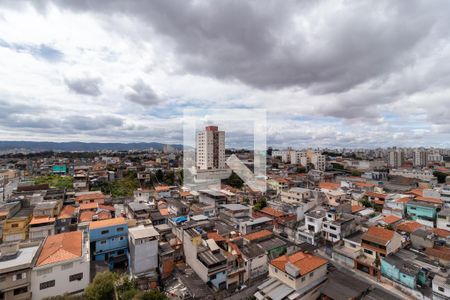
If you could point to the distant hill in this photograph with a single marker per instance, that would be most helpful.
(79, 146)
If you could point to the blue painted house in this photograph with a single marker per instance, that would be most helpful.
(109, 242)
(422, 212)
(403, 272)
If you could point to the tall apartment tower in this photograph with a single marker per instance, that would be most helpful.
(396, 158)
(210, 149)
(420, 158)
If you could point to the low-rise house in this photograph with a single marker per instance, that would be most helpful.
(177, 208)
(443, 219)
(166, 259)
(407, 227)
(235, 212)
(441, 287)
(109, 241)
(337, 226)
(256, 225)
(41, 227)
(205, 258)
(311, 232)
(404, 272)
(344, 286)
(390, 221)
(15, 271)
(421, 239)
(298, 201)
(143, 243)
(49, 209)
(296, 276)
(138, 211)
(212, 197)
(67, 219)
(349, 250)
(422, 212)
(376, 243)
(90, 197)
(440, 254)
(144, 196)
(62, 266)
(16, 228)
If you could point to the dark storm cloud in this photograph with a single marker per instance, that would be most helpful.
(142, 93)
(288, 43)
(85, 86)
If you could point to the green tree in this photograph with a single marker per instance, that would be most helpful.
(301, 170)
(55, 181)
(102, 287)
(441, 176)
(356, 173)
(235, 181)
(159, 175)
(260, 204)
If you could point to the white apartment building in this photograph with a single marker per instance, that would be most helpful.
(396, 158)
(421, 174)
(302, 157)
(443, 219)
(420, 158)
(62, 266)
(441, 287)
(435, 156)
(143, 243)
(210, 145)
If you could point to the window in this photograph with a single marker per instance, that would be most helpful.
(44, 271)
(332, 227)
(105, 232)
(441, 289)
(2, 278)
(120, 229)
(121, 238)
(368, 251)
(303, 278)
(77, 276)
(311, 274)
(102, 242)
(120, 252)
(67, 266)
(21, 290)
(47, 284)
(14, 225)
(19, 276)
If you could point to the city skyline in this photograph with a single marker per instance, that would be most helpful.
(356, 79)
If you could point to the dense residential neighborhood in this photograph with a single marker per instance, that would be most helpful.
(326, 215)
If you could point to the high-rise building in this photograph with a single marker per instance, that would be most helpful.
(420, 158)
(396, 158)
(210, 149)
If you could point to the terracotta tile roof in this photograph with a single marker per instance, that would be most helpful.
(258, 235)
(357, 208)
(441, 232)
(403, 200)
(364, 184)
(107, 223)
(329, 185)
(272, 212)
(164, 211)
(67, 212)
(235, 249)
(408, 227)
(379, 202)
(107, 207)
(391, 219)
(60, 247)
(41, 220)
(162, 188)
(303, 261)
(429, 200)
(417, 192)
(88, 206)
(185, 194)
(215, 236)
(376, 195)
(378, 235)
(104, 215)
(439, 252)
(86, 216)
(90, 196)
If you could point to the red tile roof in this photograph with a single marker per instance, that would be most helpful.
(107, 223)
(390, 219)
(329, 185)
(439, 252)
(87, 215)
(376, 195)
(429, 200)
(409, 226)
(441, 232)
(403, 200)
(364, 184)
(90, 196)
(378, 235)
(162, 188)
(272, 212)
(357, 208)
(258, 235)
(67, 212)
(215, 236)
(303, 261)
(88, 206)
(60, 247)
(41, 220)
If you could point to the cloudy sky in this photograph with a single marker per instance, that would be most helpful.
(328, 73)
